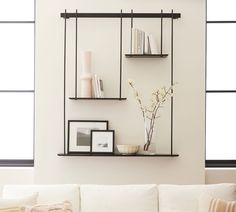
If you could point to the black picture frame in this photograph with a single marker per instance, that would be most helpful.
(105, 142)
(79, 134)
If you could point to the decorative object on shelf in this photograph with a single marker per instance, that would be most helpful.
(86, 76)
(128, 149)
(98, 89)
(79, 134)
(142, 42)
(102, 141)
(149, 113)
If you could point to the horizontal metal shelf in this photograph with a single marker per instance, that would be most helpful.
(116, 155)
(106, 98)
(118, 15)
(146, 55)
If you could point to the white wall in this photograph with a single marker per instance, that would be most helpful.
(16, 175)
(124, 117)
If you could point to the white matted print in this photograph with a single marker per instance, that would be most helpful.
(102, 141)
(79, 134)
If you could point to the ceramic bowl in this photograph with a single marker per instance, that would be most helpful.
(128, 149)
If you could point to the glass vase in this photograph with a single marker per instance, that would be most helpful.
(149, 146)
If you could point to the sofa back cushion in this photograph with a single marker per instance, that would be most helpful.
(186, 197)
(47, 194)
(119, 198)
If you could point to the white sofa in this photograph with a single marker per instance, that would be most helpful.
(123, 198)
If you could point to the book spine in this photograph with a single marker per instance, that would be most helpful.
(147, 49)
(101, 88)
(133, 50)
(153, 44)
(139, 42)
(96, 85)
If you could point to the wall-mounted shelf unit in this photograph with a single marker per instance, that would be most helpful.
(172, 16)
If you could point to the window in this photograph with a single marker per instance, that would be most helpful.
(17, 23)
(221, 84)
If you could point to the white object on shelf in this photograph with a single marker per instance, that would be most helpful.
(153, 44)
(86, 76)
(128, 149)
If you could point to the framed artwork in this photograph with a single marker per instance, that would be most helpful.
(79, 134)
(102, 141)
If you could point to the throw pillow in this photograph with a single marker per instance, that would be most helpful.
(13, 209)
(19, 202)
(210, 204)
(59, 207)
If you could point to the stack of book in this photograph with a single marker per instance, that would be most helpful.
(98, 89)
(143, 43)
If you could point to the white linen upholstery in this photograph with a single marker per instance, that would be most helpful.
(47, 194)
(19, 202)
(186, 197)
(119, 198)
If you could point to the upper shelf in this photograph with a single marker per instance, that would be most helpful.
(119, 15)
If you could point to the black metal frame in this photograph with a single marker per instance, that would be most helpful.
(82, 121)
(120, 15)
(215, 163)
(20, 162)
(113, 141)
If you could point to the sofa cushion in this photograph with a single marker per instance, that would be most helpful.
(47, 194)
(19, 202)
(118, 198)
(186, 197)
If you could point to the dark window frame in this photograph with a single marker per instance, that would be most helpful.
(215, 163)
(24, 162)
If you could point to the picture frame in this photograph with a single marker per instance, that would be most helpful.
(79, 134)
(102, 141)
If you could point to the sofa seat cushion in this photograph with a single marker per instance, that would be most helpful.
(47, 194)
(119, 198)
(186, 197)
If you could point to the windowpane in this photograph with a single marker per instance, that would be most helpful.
(219, 10)
(220, 126)
(221, 63)
(17, 56)
(16, 124)
(16, 10)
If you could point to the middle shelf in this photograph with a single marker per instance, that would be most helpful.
(105, 98)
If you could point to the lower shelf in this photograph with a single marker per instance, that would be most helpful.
(117, 155)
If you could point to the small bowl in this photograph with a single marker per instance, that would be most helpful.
(128, 149)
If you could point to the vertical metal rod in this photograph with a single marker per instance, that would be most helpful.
(76, 54)
(172, 77)
(161, 29)
(64, 117)
(120, 94)
(131, 30)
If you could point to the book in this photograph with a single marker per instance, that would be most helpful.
(153, 44)
(147, 49)
(134, 41)
(101, 88)
(96, 86)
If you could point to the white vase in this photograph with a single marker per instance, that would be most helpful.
(86, 75)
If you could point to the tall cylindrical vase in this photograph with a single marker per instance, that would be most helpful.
(149, 147)
(86, 76)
